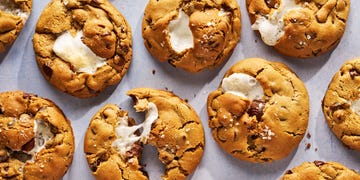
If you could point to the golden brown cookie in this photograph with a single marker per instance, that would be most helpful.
(113, 143)
(13, 15)
(82, 46)
(192, 35)
(36, 139)
(341, 104)
(299, 28)
(320, 170)
(260, 111)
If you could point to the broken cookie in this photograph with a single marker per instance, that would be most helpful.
(82, 46)
(320, 170)
(299, 28)
(260, 111)
(341, 104)
(192, 35)
(113, 143)
(13, 16)
(36, 139)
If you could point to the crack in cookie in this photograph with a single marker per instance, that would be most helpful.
(176, 132)
(268, 110)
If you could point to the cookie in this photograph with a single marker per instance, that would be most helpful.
(13, 16)
(82, 46)
(299, 28)
(113, 143)
(36, 139)
(191, 35)
(341, 104)
(260, 111)
(320, 170)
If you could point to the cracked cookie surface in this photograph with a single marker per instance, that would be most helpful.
(13, 16)
(113, 144)
(320, 170)
(82, 46)
(192, 35)
(37, 140)
(264, 126)
(299, 28)
(341, 105)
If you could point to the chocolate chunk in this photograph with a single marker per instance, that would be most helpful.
(28, 146)
(353, 73)
(288, 172)
(3, 155)
(47, 70)
(319, 163)
(256, 109)
(134, 151)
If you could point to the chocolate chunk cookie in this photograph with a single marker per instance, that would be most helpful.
(260, 111)
(299, 28)
(341, 104)
(82, 46)
(13, 15)
(192, 35)
(113, 143)
(36, 139)
(320, 170)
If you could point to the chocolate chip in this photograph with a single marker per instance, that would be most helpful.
(272, 3)
(288, 172)
(3, 155)
(134, 151)
(338, 106)
(256, 109)
(47, 70)
(319, 163)
(308, 135)
(28, 146)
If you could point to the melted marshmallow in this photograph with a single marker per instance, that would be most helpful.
(8, 6)
(73, 50)
(42, 135)
(355, 106)
(125, 133)
(243, 85)
(181, 37)
(271, 27)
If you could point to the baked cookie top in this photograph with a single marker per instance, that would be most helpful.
(36, 139)
(82, 46)
(13, 15)
(192, 35)
(113, 143)
(299, 28)
(320, 170)
(260, 111)
(341, 104)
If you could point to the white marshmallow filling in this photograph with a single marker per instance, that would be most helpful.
(243, 85)
(126, 136)
(271, 27)
(8, 6)
(181, 37)
(73, 50)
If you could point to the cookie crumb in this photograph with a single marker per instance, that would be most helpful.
(186, 100)
(153, 71)
(316, 149)
(308, 145)
(319, 163)
(308, 135)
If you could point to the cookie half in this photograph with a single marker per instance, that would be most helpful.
(36, 139)
(13, 16)
(82, 46)
(192, 35)
(113, 143)
(299, 28)
(260, 111)
(320, 170)
(341, 104)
